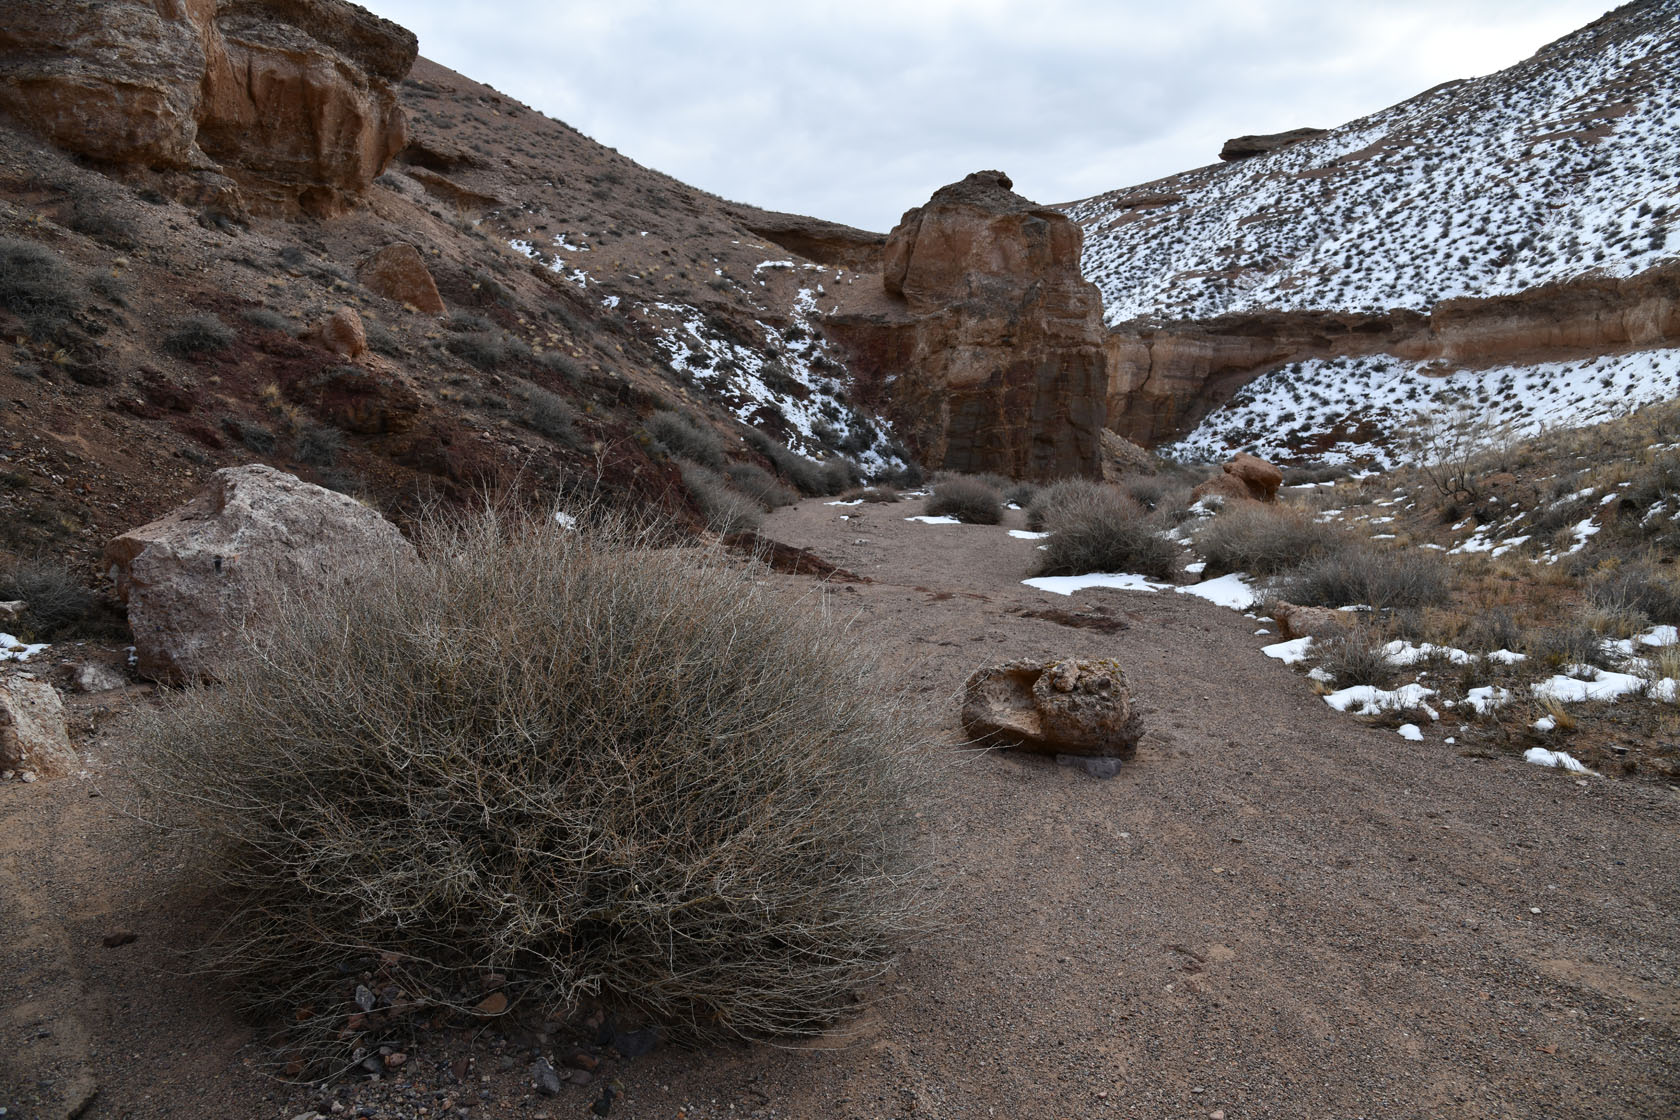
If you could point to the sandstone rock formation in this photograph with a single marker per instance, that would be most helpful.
(342, 333)
(985, 346)
(292, 99)
(197, 577)
(825, 242)
(1245, 477)
(399, 272)
(1163, 378)
(33, 737)
(1059, 707)
(1309, 622)
(1247, 147)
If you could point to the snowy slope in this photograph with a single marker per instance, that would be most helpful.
(1566, 163)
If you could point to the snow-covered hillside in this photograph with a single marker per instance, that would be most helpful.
(1564, 164)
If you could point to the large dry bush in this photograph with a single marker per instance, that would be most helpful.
(1382, 578)
(1265, 539)
(970, 500)
(590, 766)
(1104, 531)
(1041, 512)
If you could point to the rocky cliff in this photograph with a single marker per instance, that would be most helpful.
(983, 344)
(1163, 379)
(275, 106)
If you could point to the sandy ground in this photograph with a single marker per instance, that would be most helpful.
(1276, 911)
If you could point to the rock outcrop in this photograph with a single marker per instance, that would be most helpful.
(196, 578)
(33, 737)
(1247, 147)
(1066, 707)
(985, 344)
(399, 272)
(291, 99)
(1163, 378)
(1246, 477)
(829, 243)
(341, 333)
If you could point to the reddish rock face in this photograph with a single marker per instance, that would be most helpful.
(291, 99)
(985, 345)
(399, 272)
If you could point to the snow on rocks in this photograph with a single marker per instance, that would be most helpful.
(1405, 653)
(1411, 731)
(931, 519)
(1369, 700)
(1292, 652)
(15, 649)
(1562, 760)
(1234, 590)
(1584, 682)
(1118, 581)
(1027, 535)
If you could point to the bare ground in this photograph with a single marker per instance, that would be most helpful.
(1277, 911)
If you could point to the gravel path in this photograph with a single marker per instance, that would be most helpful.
(1276, 911)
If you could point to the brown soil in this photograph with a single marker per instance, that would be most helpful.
(1276, 911)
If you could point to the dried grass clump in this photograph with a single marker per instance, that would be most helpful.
(589, 766)
(1385, 579)
(761, 486)
(1104, 531)
(1264, 539)
(1068, 491)
(1352, 659)
(682, 436)
(197, 335)
(726, 510)
(967, 499)
(57, 601)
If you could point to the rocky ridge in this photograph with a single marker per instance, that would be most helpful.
(1446, 232)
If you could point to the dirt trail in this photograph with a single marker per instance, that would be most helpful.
(1277, 911)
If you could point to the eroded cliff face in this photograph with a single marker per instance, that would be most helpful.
(983, 344)
(278, 106)
(1163, 379)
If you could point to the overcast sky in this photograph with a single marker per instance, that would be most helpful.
(857, 111)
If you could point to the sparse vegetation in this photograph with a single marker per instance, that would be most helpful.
(760, 485)
(1381, 578)
(682, 436)
(1102, 530)
(57, 601)
(726, 510)
(1265, 539)
(700, 815)
(968, 499)
(1066, 492)
(197, 336)
(38, 287)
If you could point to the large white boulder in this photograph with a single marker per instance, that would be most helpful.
(197, 578)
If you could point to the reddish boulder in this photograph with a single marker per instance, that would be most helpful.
(342, 333)
(1309, 622)
(1245, 477)
(984, 345)
(399, 272)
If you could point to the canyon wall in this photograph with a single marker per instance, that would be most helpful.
(278, 106)
(983, 344)
(1163, 378)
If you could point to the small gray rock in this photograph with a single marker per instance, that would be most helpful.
(547, 1080)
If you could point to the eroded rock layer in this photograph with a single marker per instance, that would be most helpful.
(1164, 378)
(290, 99)
(984, 344)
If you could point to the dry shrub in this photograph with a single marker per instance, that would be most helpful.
(681, 436)
(726, 510)
(595, 768)
(1385, 579)
(1637, 589)
(57, 602)
(1264, 539)
(879, 495)
(1352, 659)
(1045, 504)
(760, 485)
(967, 499)
(805, 476)
(1104, 531)
(197, 335)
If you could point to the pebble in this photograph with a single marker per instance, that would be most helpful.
(1534, 909)
(548, 1082)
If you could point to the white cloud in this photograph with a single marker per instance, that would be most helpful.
(857, 111)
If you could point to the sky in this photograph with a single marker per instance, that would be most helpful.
(858, 111)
